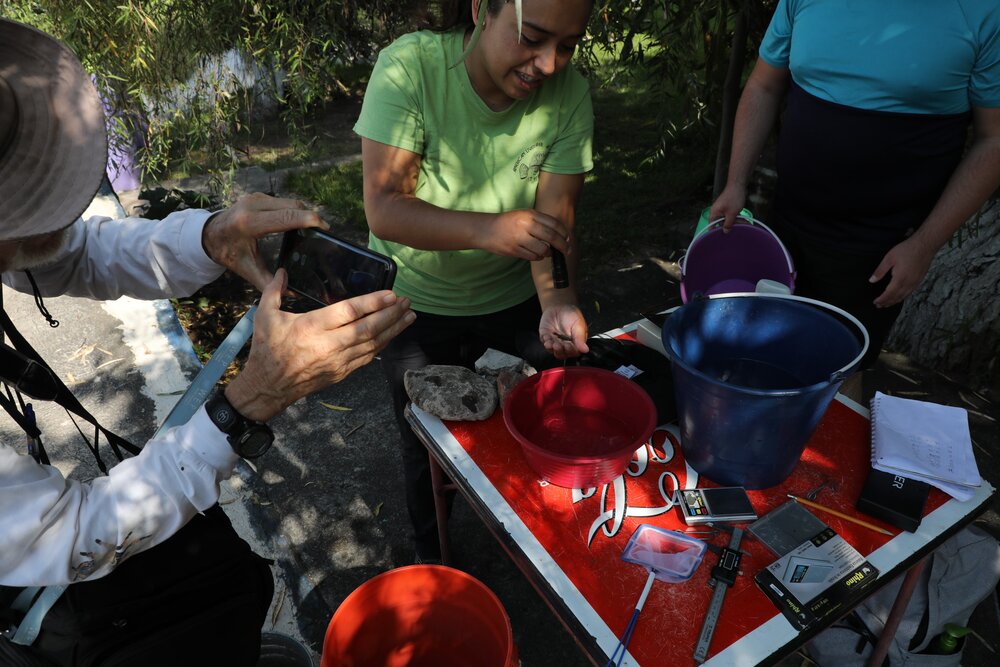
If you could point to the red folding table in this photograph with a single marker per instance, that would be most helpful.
(568, 542)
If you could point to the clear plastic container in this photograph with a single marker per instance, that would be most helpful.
(672, 556)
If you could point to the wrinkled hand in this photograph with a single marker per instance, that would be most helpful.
(908, 262)
(230, 237)
(525, 234)
(563, 331)
(293, 355)
(728, 205)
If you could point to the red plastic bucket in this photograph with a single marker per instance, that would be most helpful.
(420, 616)
(717, 262)
(578, 426)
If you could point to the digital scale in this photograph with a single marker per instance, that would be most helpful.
(728, 503)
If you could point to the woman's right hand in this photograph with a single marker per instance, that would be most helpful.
(525, 234)
(563, 331)
(728, 205)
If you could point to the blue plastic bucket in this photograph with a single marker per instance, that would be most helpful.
(753, 375)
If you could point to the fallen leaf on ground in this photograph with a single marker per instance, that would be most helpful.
(278, 606)
(82, 352)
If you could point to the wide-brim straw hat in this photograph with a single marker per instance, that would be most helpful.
(53, 137)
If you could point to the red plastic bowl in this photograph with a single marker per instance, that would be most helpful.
(578, 427)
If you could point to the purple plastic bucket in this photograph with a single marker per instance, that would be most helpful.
(721, 263)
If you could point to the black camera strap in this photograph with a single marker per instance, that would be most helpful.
(25, 418)
(22, 369)
(42, 384)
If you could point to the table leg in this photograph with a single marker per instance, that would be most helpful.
(441, 487)
(910, 581)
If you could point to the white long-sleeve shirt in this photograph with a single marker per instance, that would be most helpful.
(54, 530)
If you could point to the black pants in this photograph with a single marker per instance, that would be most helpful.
(841, 279)
(453, 341)
(852, 183)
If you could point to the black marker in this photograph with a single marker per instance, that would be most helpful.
(560, 276)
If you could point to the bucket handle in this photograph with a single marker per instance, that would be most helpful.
(840, 374)
(750, 220)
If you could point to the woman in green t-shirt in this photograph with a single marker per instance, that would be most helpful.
(476, 136)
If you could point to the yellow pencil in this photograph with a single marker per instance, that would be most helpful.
(845, 517)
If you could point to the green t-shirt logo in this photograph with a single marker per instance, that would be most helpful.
(529, 162)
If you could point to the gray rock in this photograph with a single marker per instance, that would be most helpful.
(451, 392)
(507, 380)
(493, 362)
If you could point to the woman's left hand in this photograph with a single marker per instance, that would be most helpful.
(563, 331)
(908, 262)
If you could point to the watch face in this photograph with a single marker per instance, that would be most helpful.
(248, 439)
(223, 416)
(255, 442)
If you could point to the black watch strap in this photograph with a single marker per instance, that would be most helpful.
(247, 437)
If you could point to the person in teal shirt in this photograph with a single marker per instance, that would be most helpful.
(874, 171)
(476, 136)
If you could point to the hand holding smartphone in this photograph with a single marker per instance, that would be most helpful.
(323, 269)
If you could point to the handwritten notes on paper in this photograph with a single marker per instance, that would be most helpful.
(924, 441)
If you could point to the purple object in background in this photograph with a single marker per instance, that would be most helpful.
(123, 169)
(718, 263)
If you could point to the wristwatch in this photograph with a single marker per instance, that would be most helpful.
(248, 438)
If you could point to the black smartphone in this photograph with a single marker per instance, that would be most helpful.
(728, 503)
(323, 269)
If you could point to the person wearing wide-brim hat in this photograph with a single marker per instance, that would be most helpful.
(109, 539)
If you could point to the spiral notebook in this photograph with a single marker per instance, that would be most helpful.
(924, 441)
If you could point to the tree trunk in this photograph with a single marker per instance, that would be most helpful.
(730, 100)
(952, 321)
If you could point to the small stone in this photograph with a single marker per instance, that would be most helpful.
(493, 362)
(506, 381)
(451, 392)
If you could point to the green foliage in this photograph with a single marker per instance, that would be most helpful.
(340, 189)
(681, 50)
(157, 63)
(309, 52)
(629, 197)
